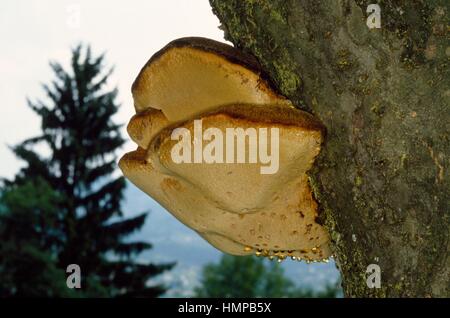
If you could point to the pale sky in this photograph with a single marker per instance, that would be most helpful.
(33, 32)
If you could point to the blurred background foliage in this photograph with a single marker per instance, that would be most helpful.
(249, 276)
(65, 208)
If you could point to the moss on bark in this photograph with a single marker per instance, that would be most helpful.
(382, 179)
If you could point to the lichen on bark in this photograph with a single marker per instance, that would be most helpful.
(382, 179)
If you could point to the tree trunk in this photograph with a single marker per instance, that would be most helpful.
(382, 178)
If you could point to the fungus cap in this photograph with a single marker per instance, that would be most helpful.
(192, 75)
(232, 205)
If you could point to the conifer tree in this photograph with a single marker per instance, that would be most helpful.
(87, 226)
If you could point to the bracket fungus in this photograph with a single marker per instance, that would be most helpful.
(230, 203)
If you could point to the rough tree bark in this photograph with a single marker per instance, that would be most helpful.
(382, 178)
